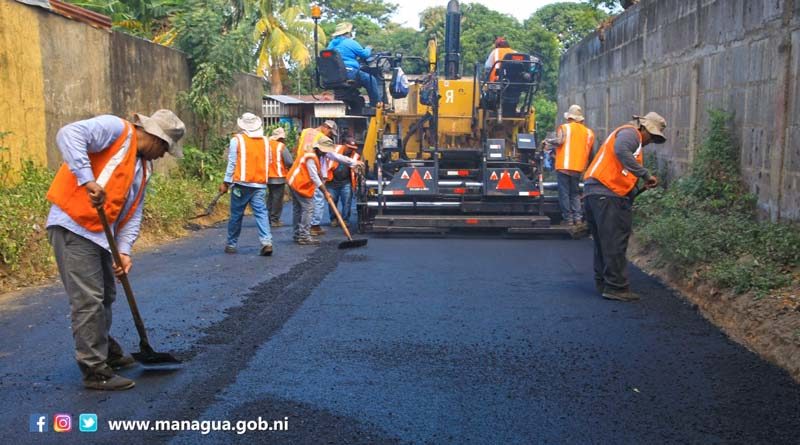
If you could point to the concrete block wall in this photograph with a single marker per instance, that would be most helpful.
(683, 57)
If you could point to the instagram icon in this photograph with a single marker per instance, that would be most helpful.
(62, 423)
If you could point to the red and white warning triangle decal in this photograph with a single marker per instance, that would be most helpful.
(505, 182)
(404, 175)
(427, 176)
(493, 177)
(416, 181)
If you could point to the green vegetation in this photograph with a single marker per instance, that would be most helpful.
(705, 225)
(25, 254)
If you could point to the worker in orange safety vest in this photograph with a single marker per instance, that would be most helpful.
(246, 177)
(609, 189)
(341, 179)
(107, 162)
(573, 144)
(305, 179)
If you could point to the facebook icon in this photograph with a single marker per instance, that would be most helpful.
(38, 423)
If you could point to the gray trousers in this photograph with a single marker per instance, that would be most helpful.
(610, 223)
(88, 278)
(302, 212)
(275, 202)
(569, 197)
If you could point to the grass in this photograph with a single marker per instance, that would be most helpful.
(705, 225)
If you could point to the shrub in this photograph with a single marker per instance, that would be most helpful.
(705, 224)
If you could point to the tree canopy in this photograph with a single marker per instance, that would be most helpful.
(274, 37)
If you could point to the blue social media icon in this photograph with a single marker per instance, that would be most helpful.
(87, 423)
(38, 423)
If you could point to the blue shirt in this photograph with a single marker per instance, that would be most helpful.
(350, 51)
(233, 150)
(76, 141)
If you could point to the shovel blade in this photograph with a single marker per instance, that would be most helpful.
(156, 359)
(352, 244)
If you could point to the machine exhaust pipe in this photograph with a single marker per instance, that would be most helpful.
(452, 41)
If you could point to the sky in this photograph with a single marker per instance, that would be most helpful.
(408, 11)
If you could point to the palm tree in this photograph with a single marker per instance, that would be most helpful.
(283, 36)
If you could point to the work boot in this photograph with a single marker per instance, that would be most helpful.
(308, 242)
(335, 223)
(317, 231)
(266, 250)
(120, 362)
(103, 378)
(230, 249)
(276, 224)
(620, 295)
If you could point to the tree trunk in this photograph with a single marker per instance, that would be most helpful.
(276, 83)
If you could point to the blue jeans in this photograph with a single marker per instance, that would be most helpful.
(342, 195)
(369, 82)
(569, 198)
(319, 207)
(256, 197)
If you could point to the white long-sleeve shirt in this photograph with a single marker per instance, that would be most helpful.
(76, 141)
(312, 166)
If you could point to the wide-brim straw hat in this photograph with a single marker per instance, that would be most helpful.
(165, 125)
(342, 29)
(575, 113)
(655, 124)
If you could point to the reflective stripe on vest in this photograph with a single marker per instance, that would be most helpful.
(353, 177)
(573, 154)
(333, 164)
(607, 168)
(114, 168)
(252, 160)
(276, 168)
(299, 177)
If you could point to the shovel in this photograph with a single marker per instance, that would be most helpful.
(210, 207)
(350, 243)
(146, 356)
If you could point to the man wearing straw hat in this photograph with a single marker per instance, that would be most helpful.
(351, 51)
(609, 187)
(246, 178)
(573, 142)
(107, 162)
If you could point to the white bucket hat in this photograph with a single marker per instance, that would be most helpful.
(278, 133)
(165, 125)
(250, 124)
(575, 113)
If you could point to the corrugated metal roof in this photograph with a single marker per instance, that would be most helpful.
(73, 12)
(302, 99)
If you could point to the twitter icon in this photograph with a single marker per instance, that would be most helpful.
(87, 423)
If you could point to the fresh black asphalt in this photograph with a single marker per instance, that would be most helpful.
(451, 340)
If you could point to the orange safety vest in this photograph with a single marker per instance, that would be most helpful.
(334, 164)
(497, 55)
(276, 167)
(573, 154)
(252, 159)
(607, 168)
(307, 139)
(299, 177)
(114, 168)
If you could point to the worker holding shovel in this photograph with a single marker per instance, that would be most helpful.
(304, 179)
(107, 165)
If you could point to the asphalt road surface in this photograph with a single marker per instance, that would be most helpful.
(456, 340)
